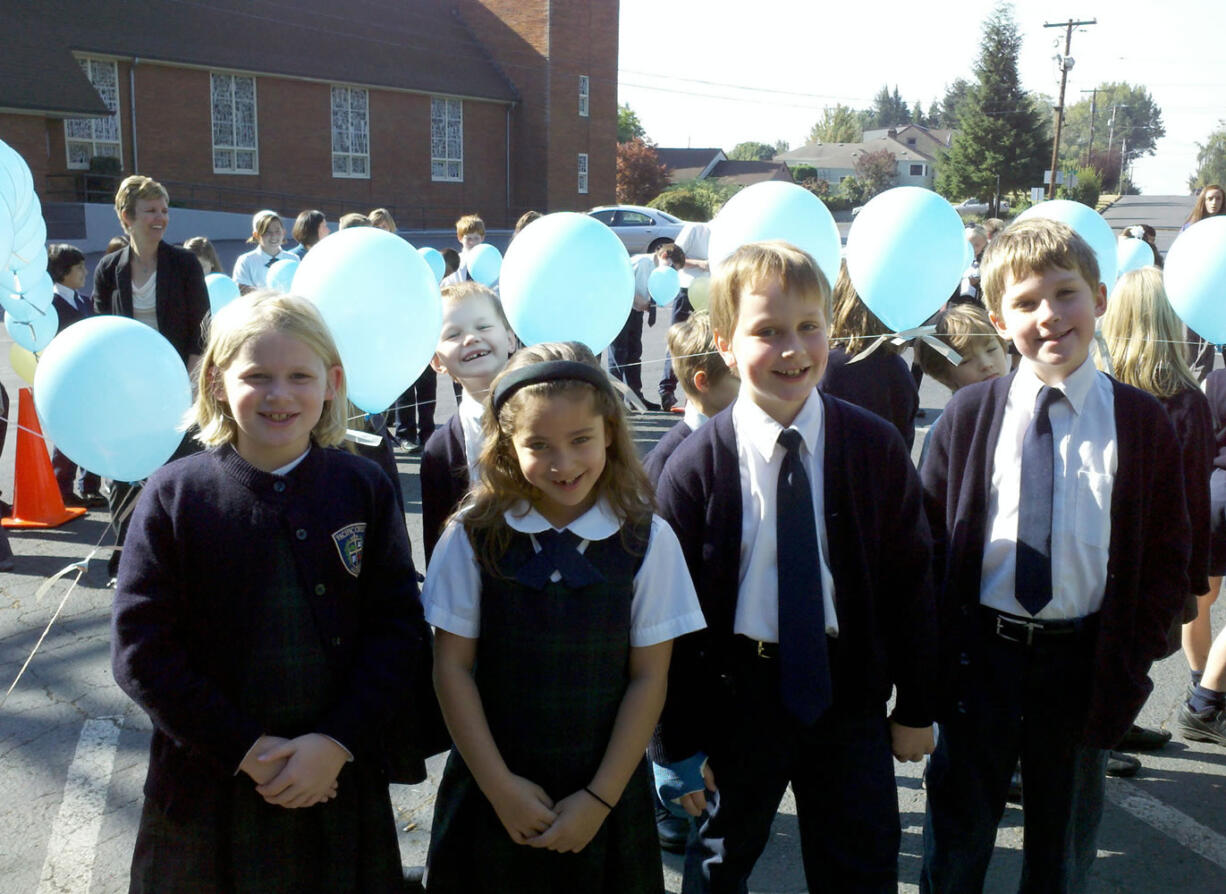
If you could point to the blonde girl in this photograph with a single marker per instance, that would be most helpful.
(557, 574)
(266, 619)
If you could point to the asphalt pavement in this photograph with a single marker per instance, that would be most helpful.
(73, 747)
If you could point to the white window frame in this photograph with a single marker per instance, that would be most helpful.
(92, 132)
(582, 173)
(914, 173)
(446, 139)
(353, 161)
(585, 87)
(232, 147)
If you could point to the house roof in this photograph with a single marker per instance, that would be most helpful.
(746, 173)
(421, 46)
(928, 140)
(27, 85)
(844, 155)
(688, 164)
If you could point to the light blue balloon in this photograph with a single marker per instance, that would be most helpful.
(35, 333)
(777, 210)
(567, 278)
(1086, 223)
(663, 285)
(1194, 275)
(381, 300)
(434, 257)
(1132, 254)
(38, 290)
(13, 274)
(484, 264)
(111, 394)
(16, 307)
(281, 275)
(222, 290)
(906, 253)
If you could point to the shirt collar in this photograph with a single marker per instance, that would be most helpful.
(693, 418)
(1076, 386)
(598, 523)
(64, 292)
(758, 429)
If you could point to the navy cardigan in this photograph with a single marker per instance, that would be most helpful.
(880, 383)
(880, 558)
(1147, 565)
(1193, 421)
(657, 456)
(444, 480)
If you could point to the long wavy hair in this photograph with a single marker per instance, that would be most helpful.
(1144, 336)
(502, 487)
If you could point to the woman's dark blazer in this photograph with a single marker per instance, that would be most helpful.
(182, 299)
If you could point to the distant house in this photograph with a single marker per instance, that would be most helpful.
(834, 161)
(929, 141)
(432, 108)
(746, 173)
(713, 164)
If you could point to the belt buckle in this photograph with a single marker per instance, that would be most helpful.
(762, 653)
(1031, 627)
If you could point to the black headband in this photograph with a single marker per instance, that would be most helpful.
(548, 371)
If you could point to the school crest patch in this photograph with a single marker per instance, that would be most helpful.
(348, 542)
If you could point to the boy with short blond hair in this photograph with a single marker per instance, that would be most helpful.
(967, 329)
(473, 347)
(801, 521)
(1063, 550)
(708, 384)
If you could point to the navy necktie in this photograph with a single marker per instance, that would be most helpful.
(1032, 579)
(274, 260)
(804, 670)
(559, 552)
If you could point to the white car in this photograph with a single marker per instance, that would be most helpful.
(640, 229)
(974, 206)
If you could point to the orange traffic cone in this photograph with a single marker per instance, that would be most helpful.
(36, 495)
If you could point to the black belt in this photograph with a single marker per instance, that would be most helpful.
(1029, 631)
(752, 648)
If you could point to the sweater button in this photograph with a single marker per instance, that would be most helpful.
(279, 487)
(320, 589)
(301, 534)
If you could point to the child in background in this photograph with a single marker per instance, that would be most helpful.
(353, 219)
(473, 347)
(524, 219)
(309, 228)
(801, 521)
(881, 382)
(967, 329)
(1058, 587)
(969, 291)
(626, 349)
(708, 384)
(469, 232)
(116, 243)
(251, 268)
(558, 574)
(270, 674)
(205, 253)
(1144, 338)
(382, 219)
(451, 261)
(66, 267)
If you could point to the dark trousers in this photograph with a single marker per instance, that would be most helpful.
(1027, 701)
(842, 774)
(681, 311)
(72, 478)
(626, 353)
(414, 414)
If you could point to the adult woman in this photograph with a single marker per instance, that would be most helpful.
(1210, 203)
(158, 284)
(309, 228)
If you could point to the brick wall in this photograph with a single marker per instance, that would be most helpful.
(28, 134)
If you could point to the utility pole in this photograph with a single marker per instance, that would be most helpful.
(1065, 64)
(1093, 110)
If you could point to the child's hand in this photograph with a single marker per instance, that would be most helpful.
(696, 802)
(311, 765)
(262, 771)
(524, 808)
(579, 818)
(910, 743)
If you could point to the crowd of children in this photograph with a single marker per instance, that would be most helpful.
(775, 595)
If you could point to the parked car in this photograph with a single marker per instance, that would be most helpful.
(640, 229)
(974, 206)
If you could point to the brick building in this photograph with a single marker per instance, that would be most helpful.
(432, 108)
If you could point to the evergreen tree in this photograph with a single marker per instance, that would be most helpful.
(889, 110)
(1210, 160)
(934, 115)
(955, 95)
(1000, 132)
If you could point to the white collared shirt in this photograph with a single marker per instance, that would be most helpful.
(760, 458)
(664, 605)
(643, 266)
(251, 268)
(1083, 432)
(693, 417)
(472, 412)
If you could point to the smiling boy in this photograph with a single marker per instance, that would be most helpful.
(1058, 588)
(801, 522)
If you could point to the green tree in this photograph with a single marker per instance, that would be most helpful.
(876, 171)
(1138, 126)
(955, 95)
(933, 118)
(752, 151)
(782, 146)
(889, 109)
(628, 126)
(1210, 159)
(837, 125)
(1001, 136)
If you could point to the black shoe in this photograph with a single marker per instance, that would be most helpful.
(1202, 726)
(673, 831)
(413, 449)
(668, 401)
(1120, 764)
(1014, 794)
(651, 405)
(413, 878)
(1139, 738)
(94, 500)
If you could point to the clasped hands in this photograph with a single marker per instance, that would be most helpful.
(531, 817)
(299, 772)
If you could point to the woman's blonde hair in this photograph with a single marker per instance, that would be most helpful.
(1144, 336)
(248, 316)
(383, 219)
(502, 485)
(132, 190)
(853, 327)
